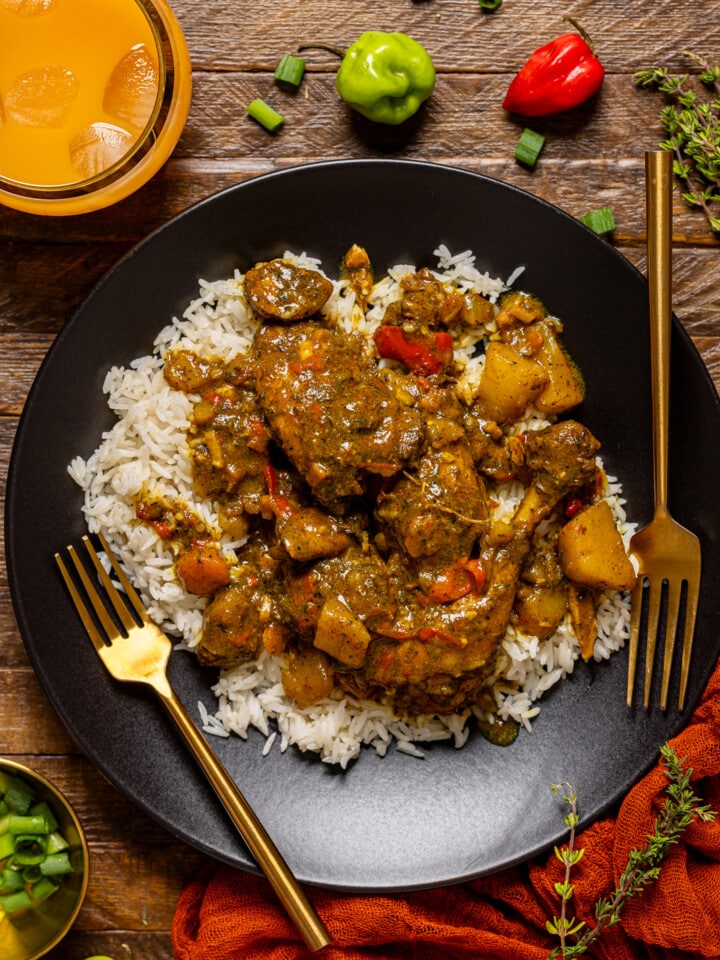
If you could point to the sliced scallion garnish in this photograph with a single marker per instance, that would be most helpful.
(34, 854)
(290, 70)
(529, 146)
(601, 221)
(265, 115)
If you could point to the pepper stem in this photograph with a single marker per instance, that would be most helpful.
(338, 51)
(583, 33)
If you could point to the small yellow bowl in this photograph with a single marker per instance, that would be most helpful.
(31, 933)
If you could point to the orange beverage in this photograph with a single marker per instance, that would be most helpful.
(83, 86)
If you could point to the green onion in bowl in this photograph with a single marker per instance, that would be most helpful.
(43, 863)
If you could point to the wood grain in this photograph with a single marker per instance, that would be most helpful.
(593, 156)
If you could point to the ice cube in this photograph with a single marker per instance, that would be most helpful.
(132, 87)
(98, 147)
(42, 97)
(28, 8)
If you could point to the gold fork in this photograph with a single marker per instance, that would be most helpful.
(140, 653)
(665, 551)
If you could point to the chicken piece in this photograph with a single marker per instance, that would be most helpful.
(357, 270)
(236, 617)
(335, 419)
(582, 605)
(228, 446)
(232, 627)
(426, 302)
(309, 534)
(435, 516)
(561, 459)
(280, 290)
(439, 658)
(359, 577)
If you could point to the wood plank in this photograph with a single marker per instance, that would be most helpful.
(458, 34)
(576, 186)
(588, 159)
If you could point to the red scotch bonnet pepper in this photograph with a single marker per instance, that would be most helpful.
(557, 77)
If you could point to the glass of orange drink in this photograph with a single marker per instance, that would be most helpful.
(94, 95)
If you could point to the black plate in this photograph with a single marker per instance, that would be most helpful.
(393, 823)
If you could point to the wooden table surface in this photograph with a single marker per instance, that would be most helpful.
(593, 157)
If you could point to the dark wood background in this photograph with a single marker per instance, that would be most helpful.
(593, 157)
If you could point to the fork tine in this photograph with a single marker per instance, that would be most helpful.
(636, 601)
(79, 603)
(132, 594)
(118, 603)
(693, 592)
(673, 609)
(98, 606)
(654, 595)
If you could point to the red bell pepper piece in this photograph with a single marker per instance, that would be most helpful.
(556, 77)
(281, 506)
(457, 581)
(423, 354)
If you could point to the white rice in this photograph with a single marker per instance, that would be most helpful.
(146, 451)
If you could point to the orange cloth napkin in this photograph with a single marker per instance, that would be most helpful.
(227, 914)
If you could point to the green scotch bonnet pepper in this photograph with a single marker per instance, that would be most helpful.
(385, 76)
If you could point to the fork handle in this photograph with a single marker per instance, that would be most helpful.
(261, 846)
(658, 175)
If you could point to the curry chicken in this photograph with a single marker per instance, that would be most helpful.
(360, 497)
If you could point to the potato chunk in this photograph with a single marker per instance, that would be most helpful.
(565, 387)
(308, 677)
(341, 634)
(592, 553)
(509, 383)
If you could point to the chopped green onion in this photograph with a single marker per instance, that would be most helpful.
(489, 4)
(56, 842)
(32, 873)
(600, 221)
(18, 795)
(11, 880)
(11, 902)
(529, 146)
(290, 70)
(265, 115)
(7, 845)
(33, 852)
(30, 849)
(27, 824)
(43, 809)
(55, 863)
(44, 888)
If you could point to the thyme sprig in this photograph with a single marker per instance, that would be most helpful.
(681, 807)
(693, 129)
